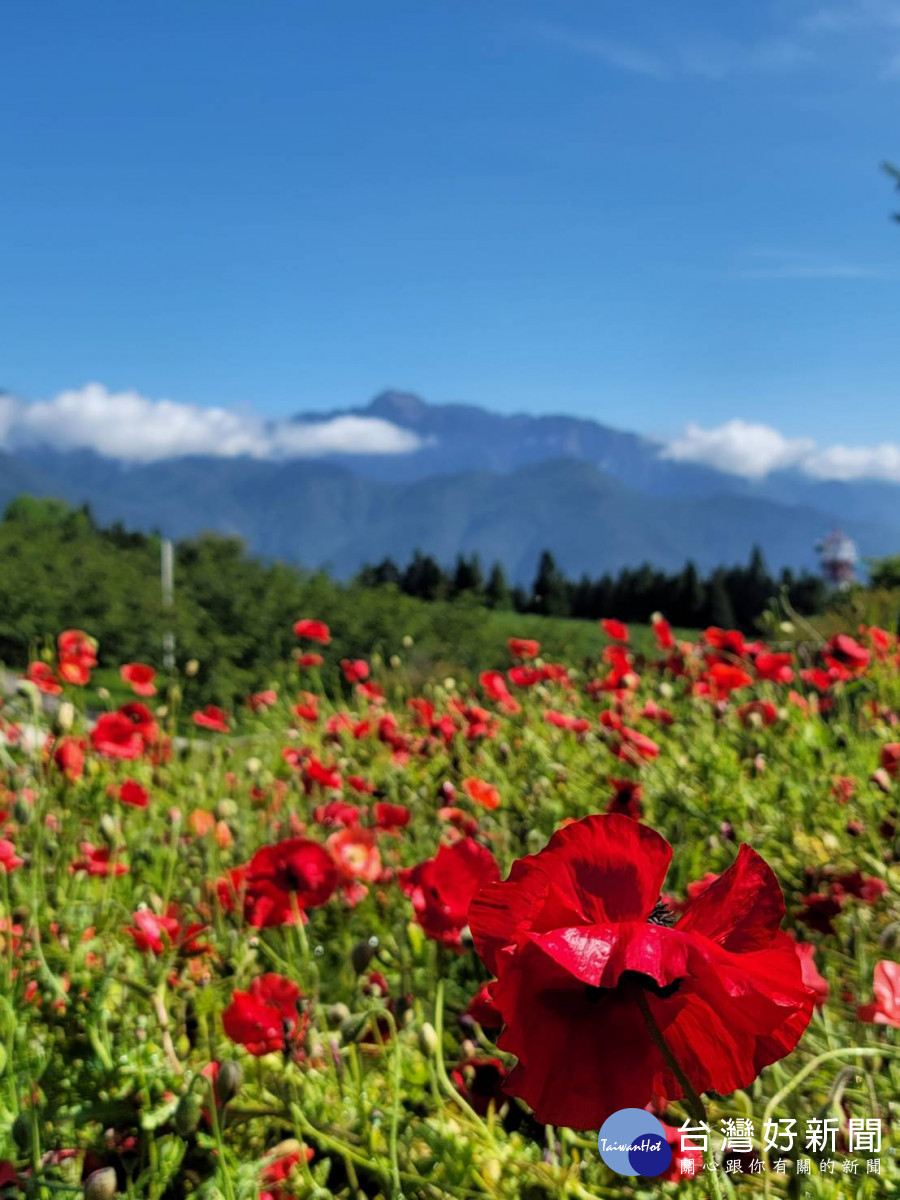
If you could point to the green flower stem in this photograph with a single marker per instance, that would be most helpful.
(694, 1103)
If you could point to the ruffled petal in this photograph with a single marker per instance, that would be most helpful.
(742, 910)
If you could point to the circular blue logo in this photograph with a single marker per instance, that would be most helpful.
(633, 1142)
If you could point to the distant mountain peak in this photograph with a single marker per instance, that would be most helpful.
(401, 407)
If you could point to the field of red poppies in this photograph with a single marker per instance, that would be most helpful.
(387, 942)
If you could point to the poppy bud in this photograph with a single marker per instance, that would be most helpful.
(100, 1185)
(22, 1131)
(109, 829)
(65, 717)
(188, 1113)
(361, 955)
(191, 667)
(881, 779)
(22, 811)
(428, 1039)
(406, 641)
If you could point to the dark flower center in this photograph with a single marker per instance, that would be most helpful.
(661, 915)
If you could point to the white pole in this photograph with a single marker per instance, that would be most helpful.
(167, 580)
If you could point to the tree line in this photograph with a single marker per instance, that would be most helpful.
(731, 597)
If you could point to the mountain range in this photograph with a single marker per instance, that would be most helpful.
(506, 487)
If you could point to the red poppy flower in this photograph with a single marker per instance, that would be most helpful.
(495, 686)
(69, 757)
(213, 718)
(890, 758)
(526, 676)
(844, 651)
(357, 858)
(391, 816)
(480, 1081)
(279, 1170)
(153, 934)
(77, 654)
(843, 787)
(774, 667)
(724, 678)
(626, 798)
(266, 1019)
(885, 1008)
(307, 707)
(260, 701)
(98, 860)
(314, 631)
(43, 677)
(142, 720)
(632, 746)
(523, 647)
(355, 670)
(482, 1009)
(481, 792)
(561, 720)
(760, 712)
(441, 888)
(114, 736)
(309, 660)
(730, 641)
(323, 774)
(140, 677)
(811, 976)
(336, 813)
(819, 910)
(662, 631)
(292, 875)
(614, 629)
(578, 931)
(9, 860)
(131, 792)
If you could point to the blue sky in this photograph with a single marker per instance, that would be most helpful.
(652, 213)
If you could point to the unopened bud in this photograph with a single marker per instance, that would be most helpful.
(65, 717)
(191, 667)
(428, 1039)
(228, 1084)
(361, 955)
(100, 1185)
(882, 780)
(188, 1113)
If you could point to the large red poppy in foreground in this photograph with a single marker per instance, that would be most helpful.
(577, 933)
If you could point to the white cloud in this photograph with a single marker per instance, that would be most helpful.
(128, 426)
(739, 447)
(711, 56)
(617, 54)
(754, 451)
(802, 264)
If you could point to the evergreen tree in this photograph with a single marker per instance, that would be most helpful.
(549, 594)
(721, 610)
(467, 576)
(497, 593)
(424, 578)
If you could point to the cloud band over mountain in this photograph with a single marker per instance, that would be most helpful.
(755, 451)
(132, 428)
